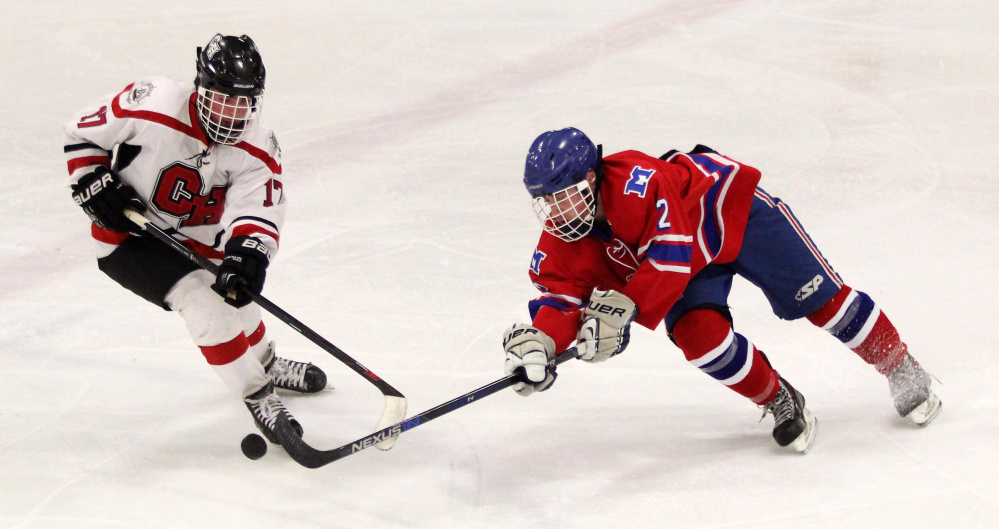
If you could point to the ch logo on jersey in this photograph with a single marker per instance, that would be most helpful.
(178, 193)
(810, 288)
(638, 183)
(536, 261)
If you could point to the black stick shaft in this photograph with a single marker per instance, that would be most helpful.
(309, 457)
(278, 313)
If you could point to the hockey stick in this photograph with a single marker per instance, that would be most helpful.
(310, 457)
(395, 402)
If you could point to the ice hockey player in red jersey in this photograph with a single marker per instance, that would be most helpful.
(629, 237)
(196, 161)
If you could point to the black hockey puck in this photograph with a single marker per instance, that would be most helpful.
(254, 446)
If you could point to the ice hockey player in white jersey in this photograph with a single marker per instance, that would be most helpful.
(197, 162)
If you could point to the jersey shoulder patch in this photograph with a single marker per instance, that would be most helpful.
(157, 94)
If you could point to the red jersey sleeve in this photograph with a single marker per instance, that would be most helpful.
(564, 287)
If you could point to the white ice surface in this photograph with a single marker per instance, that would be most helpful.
(404, 126)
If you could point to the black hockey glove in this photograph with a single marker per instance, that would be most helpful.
(104, 197)
(243, 270)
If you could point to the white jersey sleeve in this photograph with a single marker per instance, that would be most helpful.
(91, 135)
(256, 202)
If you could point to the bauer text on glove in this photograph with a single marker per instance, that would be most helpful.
(104, 196)
(606, 325)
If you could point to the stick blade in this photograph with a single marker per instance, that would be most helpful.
(296, 447)
(394, 413)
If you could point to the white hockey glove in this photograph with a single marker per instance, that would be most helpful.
(606, 325)
(528, 349)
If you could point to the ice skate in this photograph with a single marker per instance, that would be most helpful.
(794, 424)
(266, 406)
(293, 375)
(911, 391)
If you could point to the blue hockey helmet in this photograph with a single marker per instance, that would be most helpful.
(558, 159)
(555, 176)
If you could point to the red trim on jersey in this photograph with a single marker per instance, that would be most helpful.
(108, 236)
(261, 155)
(251, 229)
(227, 352)
(86, 161)
(155, 117)
(257, 335)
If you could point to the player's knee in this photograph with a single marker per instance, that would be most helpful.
(250, 317)
(209, 319)
(700, 331)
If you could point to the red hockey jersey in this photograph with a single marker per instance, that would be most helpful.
(665, 221)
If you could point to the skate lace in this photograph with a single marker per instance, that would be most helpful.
(267, 410)
(781, 407)
(288, 374)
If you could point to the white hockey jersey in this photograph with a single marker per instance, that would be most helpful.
(200, 191)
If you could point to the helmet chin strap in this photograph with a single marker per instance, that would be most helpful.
(598, 214)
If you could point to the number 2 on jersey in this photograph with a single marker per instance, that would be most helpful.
(662, 205)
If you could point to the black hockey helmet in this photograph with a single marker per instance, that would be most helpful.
(231, 65)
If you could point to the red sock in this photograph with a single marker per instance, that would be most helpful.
(853, 318)
(709, 343)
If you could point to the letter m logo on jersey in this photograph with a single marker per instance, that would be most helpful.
(638, 183)
(536, 261)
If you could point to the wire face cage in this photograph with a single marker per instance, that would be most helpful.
(567, 214)
(226, 117)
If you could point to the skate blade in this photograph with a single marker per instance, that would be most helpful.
(927, 411)
(804, 441)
